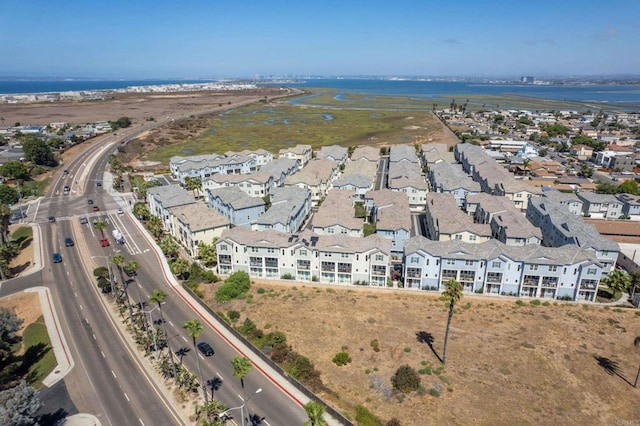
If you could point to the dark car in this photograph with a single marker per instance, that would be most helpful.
(98, 183)
(96, 208)
(205, 348)
(90, 201)
(65, 172)
(83, 220)
(52, 219)
(57, 258)
(68, 242)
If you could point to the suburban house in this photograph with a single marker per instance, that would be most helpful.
(337, 153)
(317, 176)
(436, 152)
(560, 227)
(493, 267)
(336, 215)
(162, 198)
(600, 206)
(630, 206)
(359, 176)
(451, 179)
(254, 184)
(581, 152)
(367, 152)
(389, 211)
(236, 205)
(197, 223)
(305, 257)
(204, 166)
(289, 208)
(445, 221)
(302, 153)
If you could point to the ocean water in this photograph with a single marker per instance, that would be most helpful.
(624, 96)
(46, 86)
(614, 94)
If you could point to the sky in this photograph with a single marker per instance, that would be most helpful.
(241, 38)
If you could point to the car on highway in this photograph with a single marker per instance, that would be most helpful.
(90, 201)
(68, 242)
(52, 219)
(65, 172)
(205, 348)
(96, 208)
(104, 242)
(98, 183)
(120, 211)
(57, 258)
(66, 189)
(83, 220)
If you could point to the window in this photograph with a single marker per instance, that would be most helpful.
(553, 268)
(496, 264)
(451, 262)
(458, 237)
(271, 250)
(415, 260)
(223, 247)
(472, 237)
(468, 262)
(379, 258)
(591, 271)
(254, 249)
(303, 252)
(533, 267)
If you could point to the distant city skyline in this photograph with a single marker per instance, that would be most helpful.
(212, 39)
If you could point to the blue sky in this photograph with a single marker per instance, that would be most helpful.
(239, 38)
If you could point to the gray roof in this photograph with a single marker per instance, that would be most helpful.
(449, 219)
(561, 197)
(366, 152)
(628, 199)
(314, 173)
(492, 249)
(361, 167)
(357, 181)
(285, 201)
(450, 177)
(199, 217)
(392, 208)
(333, 152)
(235, 197)
(337, 209)
(171, 195)
(572, 226)
(593, 198)
(403, 152)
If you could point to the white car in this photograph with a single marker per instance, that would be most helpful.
(120, 211)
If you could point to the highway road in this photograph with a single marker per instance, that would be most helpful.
(106, 380)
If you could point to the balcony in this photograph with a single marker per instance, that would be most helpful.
(494, 279)
(531, 281)
(304, 266)
(588, 285)
(449, 274)
(549, 282)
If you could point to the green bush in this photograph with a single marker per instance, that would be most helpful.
(287, 276)
(234, 286)
(375, 345)
(195, 288)
(535, 302)
(261, 290)
(364, 417)
(233, 315)
(519, 303)
(341, 358)
(406, 379)
(434, 392)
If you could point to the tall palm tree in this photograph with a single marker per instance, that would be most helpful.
(131, 267)
(636, 343)
(194, 328)
(101, 226)
(241, 367)
(5, 221)
(118, 260)
(452, 293)
(315, 411)
(158, 296)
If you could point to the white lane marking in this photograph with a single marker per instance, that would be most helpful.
(103, 356)
(171, 323)
(75, 293)
(80, 307)
(266, 422)
(201, 357)
(218, 374)
(185, 339)
(141, 422)
(114, 374)
(126, 396)
(94, 336)
(241, 397)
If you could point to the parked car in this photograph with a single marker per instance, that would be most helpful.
(104, 242)
(90, 201)
(68, 242)
(57, 258)
(83, 220)
(96, 208)
(205, 348)
(52, 219)
(98, 183)
(120, 211)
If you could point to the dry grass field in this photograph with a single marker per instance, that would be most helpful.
(549, 364)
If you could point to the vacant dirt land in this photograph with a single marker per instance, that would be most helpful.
(25, 305)
(507, 364)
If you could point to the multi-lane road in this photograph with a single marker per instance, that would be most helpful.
(108, 380)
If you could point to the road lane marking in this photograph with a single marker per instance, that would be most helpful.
(266, 422)
(171, 323)
(201, 357)
(114, 374)
(241, 397)
(141, 422)
(185, 339)
(103, 356)
(94, 336)
(80, 307)
(75, 293)
(126, 396)
(218, 374)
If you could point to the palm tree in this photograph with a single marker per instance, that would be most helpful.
(169, 246)
(131, 267)
(180, 268)
(241, 367)
(193, 184)
(5, 221)
(315, 412)
(636, 343)
(158, 296)
(155, 227)
(101, 226)
(194, 328)
(118, 260)
(452, 293)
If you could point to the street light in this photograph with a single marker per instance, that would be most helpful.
(241, 408)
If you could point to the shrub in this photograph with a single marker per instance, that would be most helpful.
(223, 316)
(341, 358)
(233, 315)
(287, 276)
(434, 392)
(546, 304)
(407, 349)
(364, 417)
(260, 290)
(426, 370)
(393, 422)
(375, 345)
(535, 302)
(234, 286)
(519, 303)
(195, 288)
(406, 379)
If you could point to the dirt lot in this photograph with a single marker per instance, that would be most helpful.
(25, 305)
(507, 364)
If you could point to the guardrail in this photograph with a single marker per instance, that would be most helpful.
(330, 410)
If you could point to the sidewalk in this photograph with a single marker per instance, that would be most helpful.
(236, 343)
